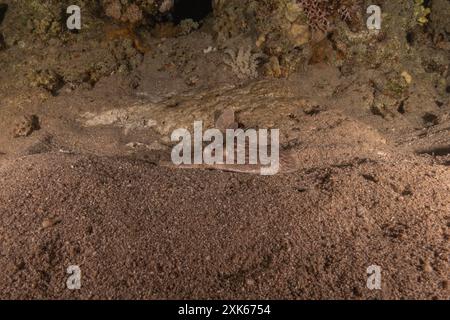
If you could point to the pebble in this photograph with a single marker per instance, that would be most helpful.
(250, 282)
(427, 267)
(47, 223)
(407, 77)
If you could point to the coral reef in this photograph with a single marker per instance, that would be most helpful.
(321, 13)
(276, 27)
(25, 126)
(291, 33)
(47, 79)
(440, 20)
(230, 18)
(243, 62)
(421, 12)
(137, 12)
(28, 21)
(131, 13)
(187, 26)
(317, 13)
(286, 30)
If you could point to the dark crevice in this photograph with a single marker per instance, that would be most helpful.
(196, 10)
(401, 107)
(410, 37)
(430, 119)
(370, 178)
(437, 151)
(3, 9)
